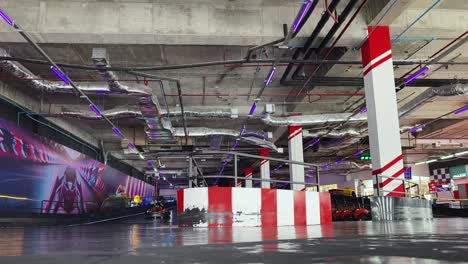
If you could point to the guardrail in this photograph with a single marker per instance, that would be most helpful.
(407, 185)
(236, 155)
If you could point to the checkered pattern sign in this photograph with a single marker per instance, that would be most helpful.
(440, 175)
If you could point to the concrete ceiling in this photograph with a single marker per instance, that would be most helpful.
(143, 33)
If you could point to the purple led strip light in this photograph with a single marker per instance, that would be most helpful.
(416, 75)
(363, 110)
(252, 109)
(315, 142)
(60, 75)
(417, 129)
(131, 146)
(270, 76)
(357, 154)
(117, 132)
(459, 111)
(6, 18)
(305, 7)
(95, 110)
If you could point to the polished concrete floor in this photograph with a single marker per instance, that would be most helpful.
(137, 240)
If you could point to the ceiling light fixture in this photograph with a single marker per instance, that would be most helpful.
(300, 16)
(117, 132)
(363, 110)
(461, 110)
(95, 110)
(141, 156)
(252, 109)
(59, 74)
(417, 129)
(431, 161)
(315, 142)
(420, 163)
(357, 154)
(131, 146)
(6, 18)
(270, 76)
(461, 153)
(417, 74)
(447, 157)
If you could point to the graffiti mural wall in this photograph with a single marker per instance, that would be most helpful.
(39, 174)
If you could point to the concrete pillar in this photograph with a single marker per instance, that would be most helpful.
(296, 172)
(382, 113)
(248, 174)
(265, 168)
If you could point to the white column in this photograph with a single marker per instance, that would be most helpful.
(382, 112)
(265, 168)
(296, 153)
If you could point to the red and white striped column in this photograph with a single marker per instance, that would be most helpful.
(248, 174)
(296, 172)
(382, 113)
(265, 168)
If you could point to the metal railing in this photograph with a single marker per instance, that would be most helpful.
(407, 186)
(235, 157)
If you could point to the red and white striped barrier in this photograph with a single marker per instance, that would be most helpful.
(226, 206)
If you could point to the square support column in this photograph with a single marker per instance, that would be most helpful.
(296, 153)
(265, 168)
(248, 174)
(382, 113)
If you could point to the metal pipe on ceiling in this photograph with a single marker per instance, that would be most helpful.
(341, 19)
(179, 91)
(323, 20)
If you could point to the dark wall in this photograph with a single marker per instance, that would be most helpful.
(447, 164)
(40, 126)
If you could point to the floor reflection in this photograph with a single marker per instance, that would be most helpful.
(361, 241)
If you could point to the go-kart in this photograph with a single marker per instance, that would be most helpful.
(158, 212)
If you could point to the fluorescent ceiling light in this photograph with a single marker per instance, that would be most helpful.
(252, 109)
(6, 18)
(459, 111)
(117, 132)
(141, 156)
(447, 157)
(270, 76)
(59, 74)
(95, 110)
(300, 16)
(416, 75)
(430, 161)
(420, 163)
(461, 153)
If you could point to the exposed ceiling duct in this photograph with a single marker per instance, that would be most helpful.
(447, 90)
(19, 71)
(312, 119)
(204, 132)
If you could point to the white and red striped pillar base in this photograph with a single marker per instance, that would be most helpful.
(248, 174)
(296, 172)
(265, 168)
(382, 113)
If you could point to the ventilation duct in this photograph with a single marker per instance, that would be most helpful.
(448, 90)
(204, 132)
(312, 119)
(20, 72)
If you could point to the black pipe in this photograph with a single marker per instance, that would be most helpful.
(312, 37)
(341, 19)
